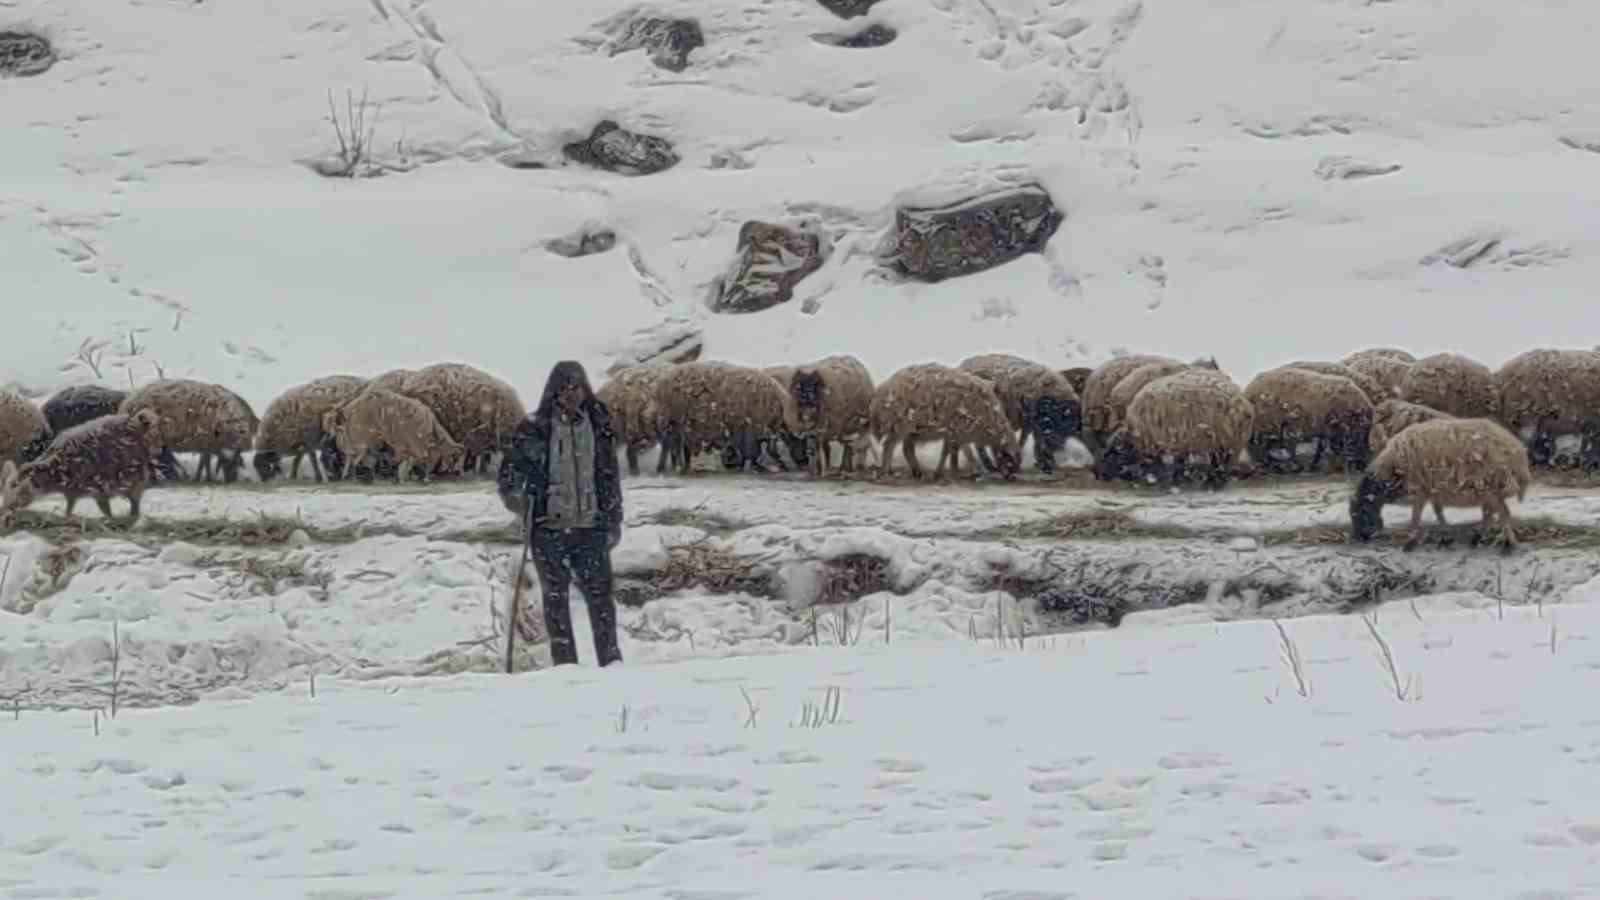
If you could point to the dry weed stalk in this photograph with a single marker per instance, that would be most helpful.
(1404, 690)
(622, 719)
(816, 715)
(354, 135)
(89, 354)
(1289, 651)
(752, 708)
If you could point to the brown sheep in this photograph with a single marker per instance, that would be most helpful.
(1294, 405)
(408, 427)
(702, 405)
(627, 394)
(1394, 353)
(292, 424)
(1545, 394)
(1387, 372)
(1375, 392)
(109, 456)
(479, 410)
(1454, 384)
(1097, 395)
(829, 401)
(197, 417)
(1446, 462)
(1391, 417)
(1039, 402)
(931, 402)
(24, 432)
(1196, 412)
(1129, 387)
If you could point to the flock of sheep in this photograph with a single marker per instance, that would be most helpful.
(1444, 430)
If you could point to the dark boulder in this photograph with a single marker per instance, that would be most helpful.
(25, 54)
(935, 243)
(586, 241)
(616, 149)
(870, 36)
(668, 41)
(848, 9)
(769, 262)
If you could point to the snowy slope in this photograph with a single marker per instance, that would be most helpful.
(157, 182)
(1173, 762)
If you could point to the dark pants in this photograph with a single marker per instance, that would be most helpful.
(584, 551)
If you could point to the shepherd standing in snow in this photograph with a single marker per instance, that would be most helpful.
(564, 455)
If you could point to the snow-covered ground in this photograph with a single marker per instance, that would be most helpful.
(1245, 179)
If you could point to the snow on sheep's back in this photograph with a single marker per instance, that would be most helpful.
(1238, 179)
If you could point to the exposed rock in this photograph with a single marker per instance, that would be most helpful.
(871, 36)
(1345, 168)
(669, 41)
(932, 244)
(616, 149)
(668, 342)
(848, 9)
(586, 241)
(769, 262)
(25, 54)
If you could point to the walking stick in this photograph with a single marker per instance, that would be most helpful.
(515, 613)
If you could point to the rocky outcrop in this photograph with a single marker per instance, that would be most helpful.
(932, 244)
(770, 261)
(871, 36)
(585, 241)
(668, 41)
(848, 9)
(25, 54)
(616, 149)
(668, 342)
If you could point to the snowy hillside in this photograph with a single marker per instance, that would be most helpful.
(1217, 164)
(841, 688)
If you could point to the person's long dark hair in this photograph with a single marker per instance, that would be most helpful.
(562, 374)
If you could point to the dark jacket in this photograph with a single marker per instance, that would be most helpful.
(526, 469)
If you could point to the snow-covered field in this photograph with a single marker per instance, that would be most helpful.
(1245, 179)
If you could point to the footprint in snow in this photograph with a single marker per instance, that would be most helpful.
(895, 766)
(666, 781)
(570, 774)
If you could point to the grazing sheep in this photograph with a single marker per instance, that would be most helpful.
(1454, 384)
(1446, 462)
(627, 394)
(479, 410)
(24, 433)
(392, 380)
(1293, 405)
(81, 403)
(830, 401)
(931, 402)
(1385, 371)
(1196, 412)
(701, 406)
(197, 417)
(1548, 393)
(1394, 353)
(1097, 395)
(106, 457)
(1039, 402)
(1391, 417)
(1375, 392)
(408, 427)
(292, 424)
(1078, 377)
(1129, 387)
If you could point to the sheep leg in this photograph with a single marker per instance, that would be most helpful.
(403, 471)
(946, 452)
(205, 467)
(1415, 536)
(1438, 512)
(229, 465)
(134, 496)
(104, 502)
(316, 465)
(632, 453)
(908, 449)
(972, 459)
(294, 466)
(1508, 534)
(72, 500)
(886, 458)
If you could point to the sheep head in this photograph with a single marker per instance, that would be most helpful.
(1366, 504)
(268, 464)
(1056, 419)
(16, 492)
(1118, 459)
(806, 388)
